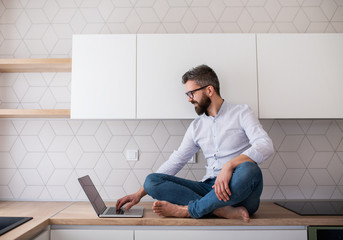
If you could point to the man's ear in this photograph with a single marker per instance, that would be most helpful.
(210, 90)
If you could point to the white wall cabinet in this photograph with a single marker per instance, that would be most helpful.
(220, 234)
(162, 59)
(300, 75)
(104, 77)
(87, 234)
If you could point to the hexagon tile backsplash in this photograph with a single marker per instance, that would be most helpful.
(41, 159)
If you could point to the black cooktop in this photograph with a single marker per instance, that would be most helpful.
(8, 223)
(314, 208)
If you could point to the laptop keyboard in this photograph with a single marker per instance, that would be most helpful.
(113, 210)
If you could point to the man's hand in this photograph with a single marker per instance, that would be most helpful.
(221, 185)
(132, 199)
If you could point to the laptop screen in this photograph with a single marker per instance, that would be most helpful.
(92, 194)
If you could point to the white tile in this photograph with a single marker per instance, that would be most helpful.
(131, 184)
(319, 27)
(102, 169)
(10, 15)
(198, 173)
(105, 8)
(66, 3)
(268, 180)
(117, 143)
(145, 127)
(323, 192)
(8, 79)
(337, 194)
(60, 80)
(287, 14)
(73, 186)
(75, 125)
(45, 195)
(37, 16)
(88, 128)
(36, 31)
(31, 192)
(88, 160)
(5, 193)
(8, 47)
(231, 14)
(319, 126)
(146, 160)
(64, 15)
(148, 28)
(58, 193)
(268, 192)
(17, 185)
(18, 151)
(276, 134)
(161, 8)
(32, 127)
(334, 135)
(147, 15)
(306, 151)
(50, 9)
(46, 135)
(32, 143)
(92, 15)
(335, 168)
(59, 177)
(189, 22)
(175, 14)
(203, 14)
(77, 23)
(45, 169)
(259, 14)
(6, 161)
(7, 94)
(307, 185)
(292, 177)
(59, 160)
(278, 195)
(301, 21)
(291, 143)
(10, 32)
(119, 127)
(49, 39)
(117, 160)
(205, 27)
(173, 143)
(292, 192)
(33, 94)
(285, 27)
(173, 27)
(277, 168)
(321, 160)
(321, 177)
(47, 101)
(160, 160)
(61, 94)
(217, 8)
(174, 127)
(289, 3)
(88, 144)
(320, 143)
(32, 160)
(328, 7)
(60, 143)
(119, 15)
(31, 177)
(117, 177)
(292, 160)
(7, 175)
(103, 135)
(115, 192)
(315, 14)
(177, 3)
(133, 22)
(7, 128)
(141, 175)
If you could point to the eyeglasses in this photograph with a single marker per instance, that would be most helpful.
(190, 94)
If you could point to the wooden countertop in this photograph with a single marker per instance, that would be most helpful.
(40, 211)
(82, 213)
(269, 214)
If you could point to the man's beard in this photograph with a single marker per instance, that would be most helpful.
(203, 104)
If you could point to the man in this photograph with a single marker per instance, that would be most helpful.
(233, 143)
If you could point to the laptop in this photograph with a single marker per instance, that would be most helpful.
(99, 206)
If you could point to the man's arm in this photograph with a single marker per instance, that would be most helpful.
(132, 199)
(221, 185)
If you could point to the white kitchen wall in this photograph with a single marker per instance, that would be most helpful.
(40, 159)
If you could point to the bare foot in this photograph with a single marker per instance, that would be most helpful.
(167, 209)
(233, 213)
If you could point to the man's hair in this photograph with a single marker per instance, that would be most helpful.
(202, 75)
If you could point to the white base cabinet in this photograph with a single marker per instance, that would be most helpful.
(90, 234)
(221, 234)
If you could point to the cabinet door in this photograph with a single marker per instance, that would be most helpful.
(162, 59)
(300, 75)
(86, 234)
(220, 234)
(103, 77)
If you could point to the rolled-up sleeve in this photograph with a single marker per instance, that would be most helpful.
(261, 144)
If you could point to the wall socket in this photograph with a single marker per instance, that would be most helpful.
(132, 155)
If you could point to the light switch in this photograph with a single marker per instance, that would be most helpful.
(132, 155)
(193, 159)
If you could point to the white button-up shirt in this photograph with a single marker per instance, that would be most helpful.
(235, 130)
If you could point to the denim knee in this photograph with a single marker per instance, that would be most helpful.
(151, 181)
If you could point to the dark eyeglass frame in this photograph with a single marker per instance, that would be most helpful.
(190, 94)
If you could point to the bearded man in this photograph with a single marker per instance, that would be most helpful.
(233, 143)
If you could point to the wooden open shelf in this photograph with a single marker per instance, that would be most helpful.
(34, 113)
(12, 65)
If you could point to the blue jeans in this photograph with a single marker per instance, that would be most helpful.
(246, 187)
